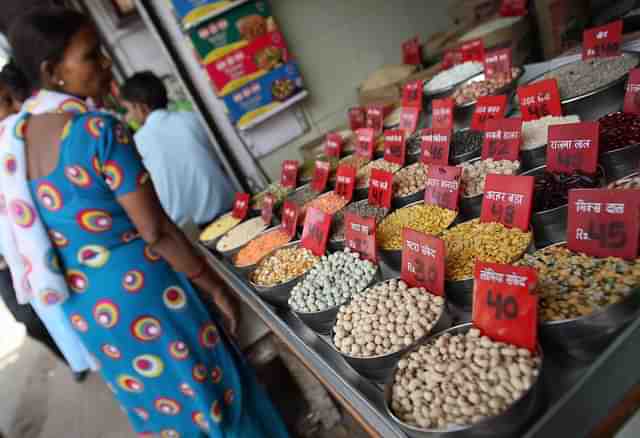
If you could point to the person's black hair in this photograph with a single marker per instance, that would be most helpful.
(43, 34)
(145, 88)
(15, 81)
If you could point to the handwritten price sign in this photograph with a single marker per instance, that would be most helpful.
(442, 113)
(290, 214)
(497, 62)
(320, 176)
(451, 58)
(357, 118)
(411, 52)
(539, 99)
(375, 118)
(333, 145)
(240, 205)
(360, 235)
(632, 95)
(442, 186)
(505, 307)
(507, 200)
(316, 231)
(487, 108)
(604, 223)
(423, 258)
(435, 145)
(380, 188)
(502, 139)
(573, 147)
(289, 176)
(473, 50)
(603, 41)
(394, 146)
(366, 142)
(412, 94)
(345, 181)
(267, 208)
(513, 8)
(409, 119)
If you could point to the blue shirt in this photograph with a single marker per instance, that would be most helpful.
(186, 174)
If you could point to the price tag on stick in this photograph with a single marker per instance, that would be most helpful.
(473, 50)
(451, 58)
(442, 186)
(412, 52)
(502, 139)
(380, 188)
(487, 108)
(345, 181)
(412, 94)
(290, 214)
(375, 118)
(267, 208)
(602, 41)
(394, 146)
(604, 223)
(505, 307)
(366, 142)
(497, 62)
(513, 8)
(357, 118)
(632, 95)
(316, 231)
(435, 145)
(409, 119)
(320, 176)
(289, 176)
(442, 113)
(360, 235)
(539, 99)
(507, 200)
(423, 258)
(240, 205)
(333, 145)
(573, 147)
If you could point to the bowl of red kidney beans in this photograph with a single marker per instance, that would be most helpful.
(619, 144)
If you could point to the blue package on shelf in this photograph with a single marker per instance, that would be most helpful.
(192, 12)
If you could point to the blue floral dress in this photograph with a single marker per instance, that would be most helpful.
(170, 366)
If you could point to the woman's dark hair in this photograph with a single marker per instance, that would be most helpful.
(15, 81)
(43, 34)
(145, 88)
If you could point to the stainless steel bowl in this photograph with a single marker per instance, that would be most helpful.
(621, 162)
(632, 175)
(379, 368)
(508, 424)
(446, 91)
(467, 156)
(532, 158)
(403, 201)
(245, 271)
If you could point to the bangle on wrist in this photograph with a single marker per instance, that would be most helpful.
(200, 272)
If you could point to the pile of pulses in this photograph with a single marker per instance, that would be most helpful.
(552, 189)
(535, 132)
(260, 247)
(219, 227)
(332, 282)
(471, 91)
(355, 161)
(410, 180)
(629, 182)
(571, 285)
(362, 178)
(386, 318)
(424, 218)
(302, 195)
(278, 191)
(474, 174)
(486, 242)
(362, 209)
(241, 234)
(453, 76)
(328, 203)
(459, 380)
(465, 141)
(283, 265)
(618, 130)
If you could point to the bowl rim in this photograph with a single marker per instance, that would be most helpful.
(267, 289)
(271, 229)
(442, 90)
(237, 248)
(508, 87)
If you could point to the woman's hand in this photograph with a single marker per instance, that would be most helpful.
(229, 311)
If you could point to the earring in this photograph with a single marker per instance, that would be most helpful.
(61, 83)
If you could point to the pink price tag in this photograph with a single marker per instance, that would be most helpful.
(442, 186)
(487, 108)
(290, 214)
(345, 181)
(539, 99)
(375, 118)
(502, 139)
(380, 188)
(412, 94)
(360, 235)
(573, 147)
(508, 200)
(357, 118)
(442, 113)
(333, 145)
(423, 258)
(320, 176)
(632, 95)
(289, 176)
(316, 231)
(412, 52)
(366, 142)
(451, 58)
(602, 41)
(473, 50)
(604, 223)
(409, 119)
(513, 8)
(435, 145)
(240, 205)
(394, 146)
(497, 62)
(267, 208)
(505, 306)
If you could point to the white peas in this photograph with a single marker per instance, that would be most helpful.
(388, 317)
(458, 380)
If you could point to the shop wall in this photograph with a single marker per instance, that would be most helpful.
(338, 44)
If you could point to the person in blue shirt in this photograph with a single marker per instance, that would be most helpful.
(176, 151)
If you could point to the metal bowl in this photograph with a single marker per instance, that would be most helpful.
(232, 252)
(245, 271)
(532, 158)
(277, 295)
(403, 201)
(446, 91)
(467, 156)
(507, 424)
(622, 162)
(632, 175)
(336, 245)
(379, 368)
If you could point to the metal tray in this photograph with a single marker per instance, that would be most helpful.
(622, 162)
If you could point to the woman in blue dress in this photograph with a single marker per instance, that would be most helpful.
(173, 369)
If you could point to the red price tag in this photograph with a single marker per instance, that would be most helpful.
(240, 205)
(505, 306)
(320, 176)
(423, 258)
(267, 208)
(632, 96)
(357, 118)
(380, 188)
(473, 50)
(502, 139)
(289, 176)
(507, 200)
(604, 223)
(487, 108)
(375, 118)
(497, 62)
(360, 235)
(290, 214)
(345, 181)
(409, 119)
(412, 94)
(513, 8)
(366, 142)
(316, 231)
(451, 57)
(411, 52)
(333, 145)
(435, 145)
(539, 99)
(602, 41)
(573, 147)
(442, 186)
(394, 146)
(442, 113)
